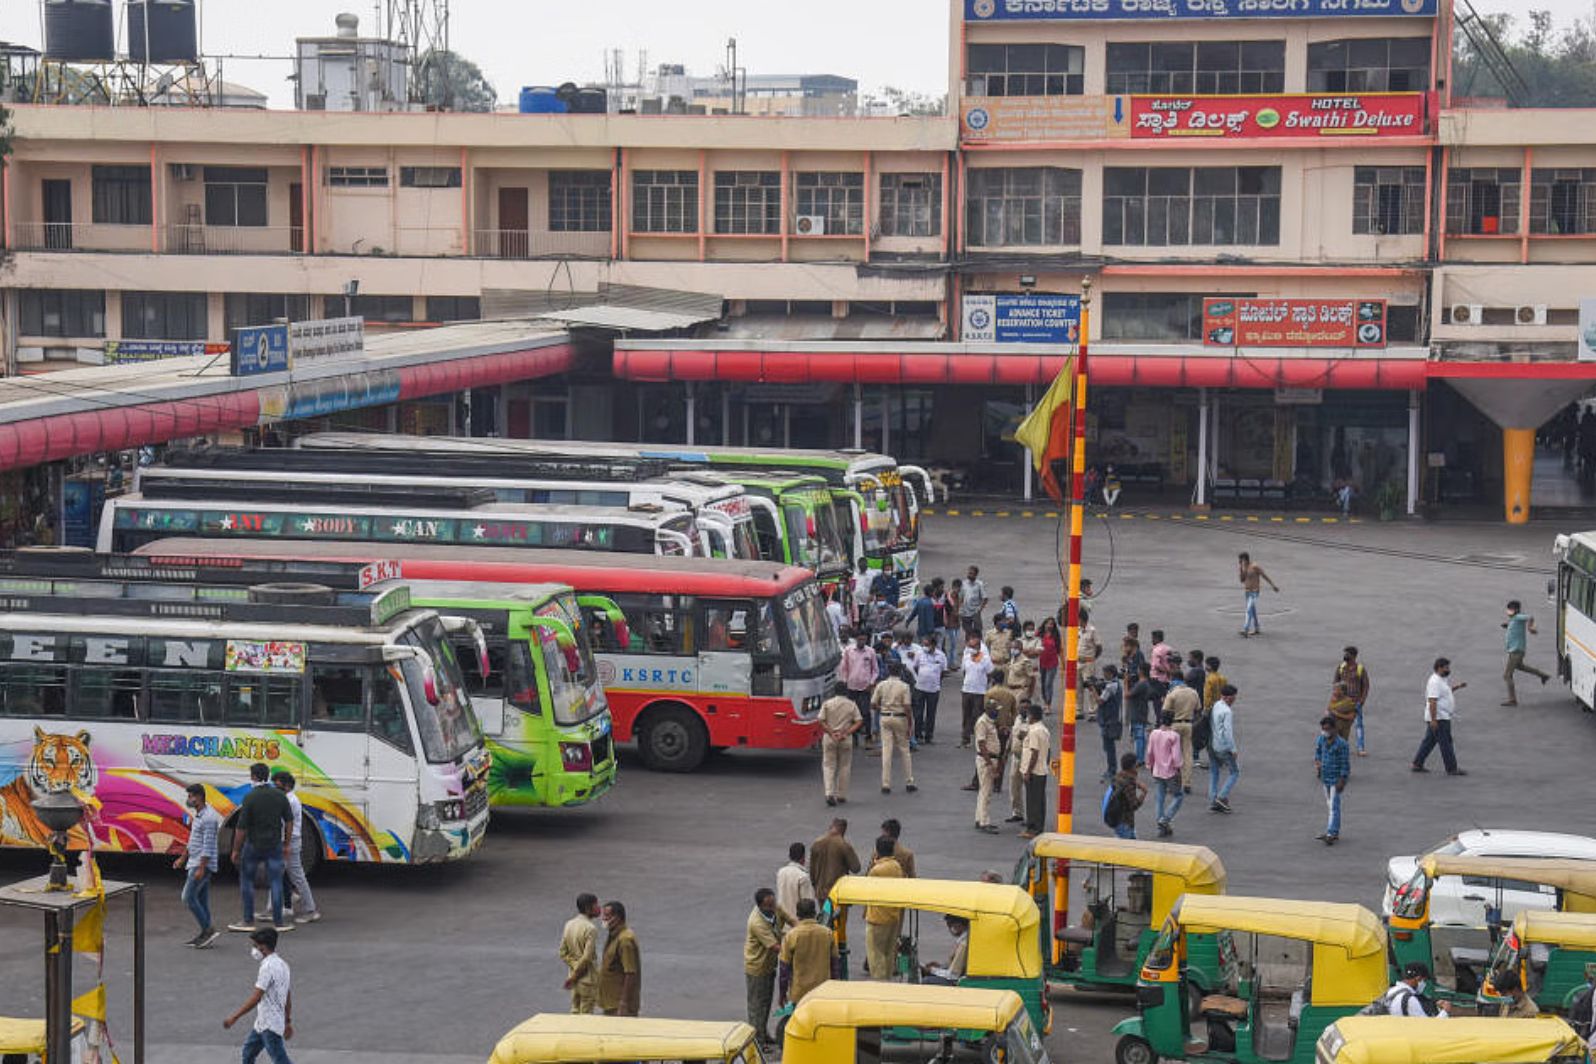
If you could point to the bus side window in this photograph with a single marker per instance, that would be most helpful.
(465, 651)
(262, 699)
(388, 721)
(185, 696)
(107, 693)
(521, 679)
(769, 536)
(28, 690)
(335, 695)
(725, 626)
(665, 631)
(765, 635)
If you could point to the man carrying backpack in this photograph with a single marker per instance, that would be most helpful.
(1406, 996)
(1125, 795)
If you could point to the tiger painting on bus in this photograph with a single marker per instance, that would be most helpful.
(59, 764)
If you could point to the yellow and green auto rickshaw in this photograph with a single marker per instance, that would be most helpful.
(1461, 1040)
(1271, 1009)
(846, 1023)
(1460, 956)
(1550, 952)
(1127, 887)
(1003, 951)
(564, 1038)
(23, 1040)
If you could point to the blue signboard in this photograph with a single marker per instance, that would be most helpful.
(129, 352)
(1034, 318)
(996, 10)
(260, 349)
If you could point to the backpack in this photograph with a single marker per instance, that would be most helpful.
(1113, 805)
(1381, 1006)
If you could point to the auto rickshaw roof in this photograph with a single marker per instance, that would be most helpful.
(27, 1036)
(562, 1038)
(840, 1003)
(1352, 927)
(955, 897)
(1563, 873)
(1577, 930)
(1460, 1040)
(1198, 866)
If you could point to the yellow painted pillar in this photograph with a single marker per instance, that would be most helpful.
(1518, 473)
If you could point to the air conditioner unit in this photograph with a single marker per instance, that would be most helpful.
(811, 225)
(182, 172)
(1530, 314)
(1467, 314)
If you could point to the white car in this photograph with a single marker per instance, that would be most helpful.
(1461, 901)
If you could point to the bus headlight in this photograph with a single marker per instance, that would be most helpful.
(433, 817)
(577, 757)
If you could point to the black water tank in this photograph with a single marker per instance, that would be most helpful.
(79, 30)
(173, 35)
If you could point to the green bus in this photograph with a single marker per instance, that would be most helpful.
(796, 518)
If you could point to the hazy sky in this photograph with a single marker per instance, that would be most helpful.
(879, 42)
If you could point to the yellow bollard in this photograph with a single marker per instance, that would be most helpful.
(1518, 473)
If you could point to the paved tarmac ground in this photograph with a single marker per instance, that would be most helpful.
(436, 963)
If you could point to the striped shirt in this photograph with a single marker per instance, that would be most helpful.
(202, 830)
(1332, 757)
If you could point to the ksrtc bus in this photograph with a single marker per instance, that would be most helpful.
(713, 654)
(1576, 615)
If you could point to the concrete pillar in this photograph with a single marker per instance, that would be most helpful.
(692, 415)
(1213, 446)
(886, 420)
(1415, 459)
(858, 416)
(1202, 446)
(725, 415)
(1519, 407)
(1030, 403)
(1518, 473)
(786, 424)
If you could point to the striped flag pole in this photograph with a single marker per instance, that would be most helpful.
(1072, 604)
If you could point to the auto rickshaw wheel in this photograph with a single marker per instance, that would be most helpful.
(1194, 1000)
(1132, 1049)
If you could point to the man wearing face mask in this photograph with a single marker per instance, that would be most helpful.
(1438, 709)
(1406, 996)
(200, 864)
(272, 1000)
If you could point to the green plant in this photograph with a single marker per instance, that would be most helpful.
(1388, 498)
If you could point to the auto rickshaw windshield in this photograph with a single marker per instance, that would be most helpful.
(1410, 898)
(1162, 953)
(1022, 1044)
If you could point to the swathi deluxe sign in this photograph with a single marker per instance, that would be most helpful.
(1392, 114)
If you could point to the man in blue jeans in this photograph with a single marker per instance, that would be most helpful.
(198, 862)
(1332, 762)
(261, 834)
(273, 1002)
(1223, 750)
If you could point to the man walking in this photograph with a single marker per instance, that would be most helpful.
(621, 968)
(858, 673)
(972, 601)
(923, 614)
(302, 903)
(793, 884)
(928, 666)
(891, 701)
(892, 828)
(579, 952)
(1252, 576)
(839, 719)
(1224, 753)
(881, 921)
(1182, 705)
(199, 864)
(976, 668)
(1163, 758)
(261, 831)
(808, 957)
(1165, 666)
(859, 593)
(1034, 756)
(830, 858)
(1109, 719)
(272, 1000)
(1354, 680)
(1088, 649)
(1517, 624)
(761, 947)
(1439, 705)
(1125, 795)
(1333, 764)
(988, 754)
(1016, 778)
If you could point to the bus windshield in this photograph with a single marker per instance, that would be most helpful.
(812, 527)
(449, 729)
(745, 544)
(809, 632)
(575, 694)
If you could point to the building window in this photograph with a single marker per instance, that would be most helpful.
(1026, 70)
(454, 308)
(1170, 67)
(665, 201)
(579, 201)
(234, 196)
(392, 309)
(1563, 202)
(427, 177)
(1168, 317)
(122, 195)
(1401, 324)
(1033, 206)
(1165, 206)
(357, 176)
(838, 198)
(1374, 64)
(240, 310)
(61, 312)
(748, 201)
(1388, 200)
(911, 205)
(164, 316)
(1482, 200)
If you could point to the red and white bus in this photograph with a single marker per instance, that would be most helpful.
(721, 653)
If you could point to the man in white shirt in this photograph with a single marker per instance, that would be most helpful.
(793, 883)
(938, 975)
(836, 615)
(296, 885)
(859, 591)
(1034, 758)
(1406, 996)
(1438, 708)
(927, 664)
(273, 1002)
(976, 666)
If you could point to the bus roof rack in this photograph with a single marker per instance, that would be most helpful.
(486, 464)
(240, 488)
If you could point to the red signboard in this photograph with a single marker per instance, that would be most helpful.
(1294, 322)
(1394, 114)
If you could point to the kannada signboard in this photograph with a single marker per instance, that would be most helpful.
(260, 349)
(1294, 322)
(1017, 118)
(332, 338)
(1036, 318)
(1392, 114)
(128, 352)
(1020, 10)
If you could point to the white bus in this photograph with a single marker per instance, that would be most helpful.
(723, 512)
(1576, 615)
(130, 521)
(119, 686)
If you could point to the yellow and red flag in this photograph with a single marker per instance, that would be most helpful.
(1048, 431)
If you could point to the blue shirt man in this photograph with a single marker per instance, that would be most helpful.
(923, 612)
(1520, 626)
(1332, 760)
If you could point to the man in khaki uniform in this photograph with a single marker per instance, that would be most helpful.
(1033, 765)
(881, 921)
(893, 702)
(579, 951)
(808, 955)
(830, 858)
(1183, 703)
(1019, 676)
(997, 644)
(839, 719)
(621, 970)
(988, 763)
(760, 949)
(1022, 724)
(892, 828)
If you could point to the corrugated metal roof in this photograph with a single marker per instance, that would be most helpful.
(628, 319)
(857, 327)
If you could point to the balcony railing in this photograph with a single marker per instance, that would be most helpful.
(79, 236)
(184, 239)
(521, 244)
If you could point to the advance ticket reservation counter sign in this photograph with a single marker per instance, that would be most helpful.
(1035, 318)
(1037, 10)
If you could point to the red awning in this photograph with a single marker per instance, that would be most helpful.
(919, 367)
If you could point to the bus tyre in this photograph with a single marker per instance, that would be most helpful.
(311, 849)
(1134, 1050)
(672, 739)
